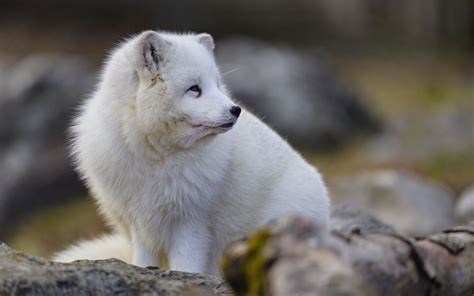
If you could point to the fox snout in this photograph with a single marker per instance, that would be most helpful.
(235, 110)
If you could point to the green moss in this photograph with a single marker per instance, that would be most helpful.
(255, 263)
(246, 272)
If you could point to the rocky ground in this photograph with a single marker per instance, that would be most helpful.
(22, 274)
(295, 257)
(360, 255)
(411, 204)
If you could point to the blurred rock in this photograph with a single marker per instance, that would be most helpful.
(464, 209)
(21, 274)
(412, 205)
(294, 256)
(294, 92)
(349, 219)
(37, 98)
(447, 130)
(282, 259)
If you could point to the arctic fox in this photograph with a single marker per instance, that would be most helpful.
(175, 165)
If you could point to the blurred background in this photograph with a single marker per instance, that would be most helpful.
(379, 95)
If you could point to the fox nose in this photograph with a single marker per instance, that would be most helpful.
(235, 110)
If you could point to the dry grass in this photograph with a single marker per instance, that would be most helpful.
(395, 84)
(53, 229)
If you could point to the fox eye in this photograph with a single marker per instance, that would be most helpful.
(195, 88)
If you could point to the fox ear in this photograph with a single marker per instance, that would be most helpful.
(153, 48)
(206, 40)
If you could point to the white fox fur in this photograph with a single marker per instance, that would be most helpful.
(104, 247)
(156, 146)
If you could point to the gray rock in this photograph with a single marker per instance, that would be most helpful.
(21, 274)
(37, 98)
(464, 209)
(349, 219)
(284, 259)
(448, 130)
(412, 205)
(294, 92)
(292, 256)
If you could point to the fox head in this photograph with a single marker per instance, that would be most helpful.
(171, 87)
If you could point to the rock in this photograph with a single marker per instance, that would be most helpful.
(464, 209)
(293, 256)
(305, 265)
(37, 98)
(447, 130)
(412, 205)
(21, 274)
(348, 219)
(279, 260)
(294, 92)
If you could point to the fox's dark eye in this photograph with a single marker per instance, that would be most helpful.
(195, 88)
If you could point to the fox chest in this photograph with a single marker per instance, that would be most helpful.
(169, 193)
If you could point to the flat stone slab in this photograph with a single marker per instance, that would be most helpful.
(22, 274)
